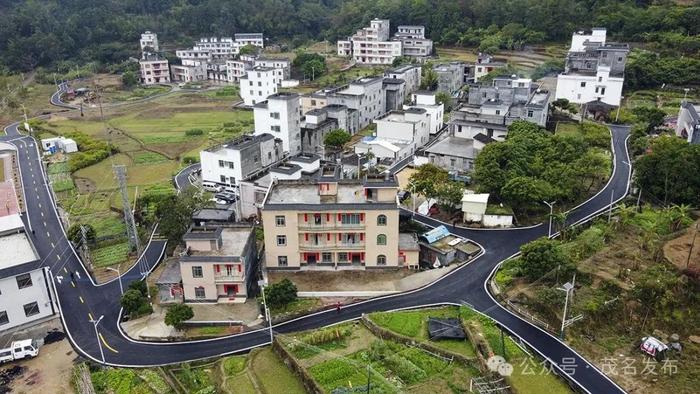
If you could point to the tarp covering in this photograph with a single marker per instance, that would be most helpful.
(445, 329)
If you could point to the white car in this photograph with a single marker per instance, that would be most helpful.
(19, 350)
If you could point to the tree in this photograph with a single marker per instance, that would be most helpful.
(445, 99)
(131, 301)
(449, 194)
(665, 172)
(177, 314)
(75, 235)
(427, 179)
(129, 79)
(281, 293)
(541, 256)
(336, 139)
(175, 213)
(248, 49)
(521, 192)
(311, 64)
(653, 117)
(429, 78)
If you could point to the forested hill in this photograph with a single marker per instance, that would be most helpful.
(47, 32)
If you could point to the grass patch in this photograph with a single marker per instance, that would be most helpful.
(414, 324)
(110, 255)
(61, 182)
(315, 342)
(148, 158)
(207, 331)
(139, 93)
(273, 375)
(299, 305)
(234, 364)
(58, 168)
(195, 379)
(119, 381)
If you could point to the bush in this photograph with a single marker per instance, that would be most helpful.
(281, 293)
(194, 132)
(177, 314)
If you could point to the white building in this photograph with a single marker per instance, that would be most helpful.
(688, 124)
(283, 64)
(238, 159)
(365, 95)
(436, 111)
(594, 69)
(410, 73)
(149, 43)
(237, 69)
(217, 48)
(153, 70)
(280, 116)
(259, 83)
(182, 73)
(255, 39)
(413, 41)
(399, 134)
(65, 145)
(475, 209)
(485, 64)
(371, 45)
(26, 294)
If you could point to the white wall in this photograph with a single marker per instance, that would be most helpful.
(497, 220)
(13, 299)
(288, 122)
(212, 170)
(570, 87)
(258, 85)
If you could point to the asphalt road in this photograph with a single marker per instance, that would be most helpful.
(81, 300)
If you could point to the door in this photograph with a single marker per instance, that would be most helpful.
(311, 258)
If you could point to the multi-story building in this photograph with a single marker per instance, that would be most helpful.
(365, 95)
(450, 77)
(236, 160)
(485, 64)
(320, 121)
(332, 223)
(688, 124)
(426, 100)
(316, 100)
(193, 57)
(413, 41)
(182, 73)
(258, 84)
(399, 134)
(395, 93)
(255, 39)
(280, 116)
(594, 70)
(217, 48)
(220, 265)
(282, 64)
(25, 289)
(149, 43)
(410, 73)
(237, 69)
(513, 98)
(153, 69)
(371, 45)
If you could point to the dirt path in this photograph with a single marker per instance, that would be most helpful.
(50, 372)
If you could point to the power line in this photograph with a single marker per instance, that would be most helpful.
(132, 234)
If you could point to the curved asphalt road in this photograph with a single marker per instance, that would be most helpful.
(466, 284)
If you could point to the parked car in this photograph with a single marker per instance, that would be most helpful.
(19, 350)
(459, 177)
(231, 189)
(211, 187)
(227, 196)
(404, 195)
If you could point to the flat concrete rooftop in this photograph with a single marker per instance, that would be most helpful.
(16, 250)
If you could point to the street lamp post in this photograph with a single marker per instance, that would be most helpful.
(119, 276)
(685, 95)
(568, 287)
(268, 315)
(97, 337)
(551, 213)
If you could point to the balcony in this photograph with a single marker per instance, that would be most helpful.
(331, 245)
(229, 278)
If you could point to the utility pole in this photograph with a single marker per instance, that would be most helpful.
(639, 197)
(612, 194)
(97, 337)
(120, 174)
(84, 245)
(568, 288)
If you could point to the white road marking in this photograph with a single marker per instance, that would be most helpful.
(48, 235)
(42, 213)
(53, 246)
(59, 256)
(45, 223)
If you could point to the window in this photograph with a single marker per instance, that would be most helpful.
(31, 309)
(342, 257)
(23, 281)
(583, 84)
(230, 165)
(453, 162)
(350, 218)
(3, 318)
(498, 112)
(530, 113)
(381, 220)
(199, 292)
(326, 257)
(619, 59)
(275, 128)
(381, 260)
(381, 239)
(280, 221)
(282, 261)
(602, 91)
(222, 178)
(197, 271)
(281, 240)
(313, 102)
(221, 164)
(275, 115)
(600, 79)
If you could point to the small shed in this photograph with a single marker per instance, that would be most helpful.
(449, 328)
(169, 284)
(474, 206)
(440, 248)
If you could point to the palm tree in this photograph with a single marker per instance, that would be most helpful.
(679, 214)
